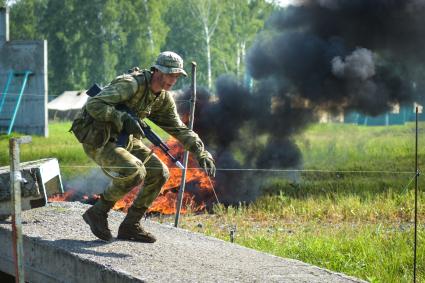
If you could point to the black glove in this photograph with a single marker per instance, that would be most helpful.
(207, 163)
(131, 126)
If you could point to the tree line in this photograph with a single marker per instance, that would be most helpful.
(93, 41)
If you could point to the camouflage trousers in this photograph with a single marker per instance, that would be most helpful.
(127, 171)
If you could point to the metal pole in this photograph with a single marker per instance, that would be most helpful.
(186, 154)
(416, 198)
(15, 188)
(26, 74)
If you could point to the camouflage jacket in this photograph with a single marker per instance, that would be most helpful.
(133, 90)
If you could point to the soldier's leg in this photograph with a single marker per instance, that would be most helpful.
(157, 175)
(127, 171)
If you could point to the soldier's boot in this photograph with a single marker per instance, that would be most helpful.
(130, 228)
(96, 217)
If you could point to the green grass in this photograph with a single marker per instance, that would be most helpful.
(353, 215)
(60, 144)
(350, 212)
(345, 248)
(351, 147)
(372, 240)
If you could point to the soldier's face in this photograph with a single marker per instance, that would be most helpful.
(167, 81)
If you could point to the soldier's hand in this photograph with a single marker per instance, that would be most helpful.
(143, 123)
(131, 126)
(207, 163)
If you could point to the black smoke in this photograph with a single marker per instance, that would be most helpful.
(333, 55)
(361, 55)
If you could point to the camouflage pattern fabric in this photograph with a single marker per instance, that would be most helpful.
(159, 108)
(130, 171)
(126, 166)
(169, 62)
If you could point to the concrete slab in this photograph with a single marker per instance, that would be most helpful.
(59, 247)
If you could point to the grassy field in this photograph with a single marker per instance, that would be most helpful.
(351, 211)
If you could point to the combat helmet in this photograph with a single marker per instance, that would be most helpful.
(169, 62)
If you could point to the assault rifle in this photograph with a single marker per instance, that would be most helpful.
(149, 134)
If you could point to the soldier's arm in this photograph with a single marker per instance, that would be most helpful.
(166, 117)
(102, 106)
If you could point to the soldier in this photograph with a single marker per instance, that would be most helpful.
(146, 93)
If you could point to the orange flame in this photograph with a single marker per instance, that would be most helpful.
(165, 203)
(70, 195)
(62, 197)
(127, 200)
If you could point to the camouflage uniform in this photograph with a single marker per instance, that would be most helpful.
(128, 164)
(98, 128)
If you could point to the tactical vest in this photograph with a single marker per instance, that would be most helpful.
(141, 102)
(97, 133)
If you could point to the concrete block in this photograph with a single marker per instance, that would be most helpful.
(59, 247)
(42, 180)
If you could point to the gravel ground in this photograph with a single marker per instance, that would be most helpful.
(177, 256)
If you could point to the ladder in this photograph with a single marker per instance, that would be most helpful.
(11, 75)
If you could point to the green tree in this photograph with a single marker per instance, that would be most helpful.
(84, 39)
(5, 3)
(25, 19)
(208, 13)
(185, 38)
(100, 37)
(92, 41)
(247, 18)
(227, 27)
(143, 32)
(61, 26)
(103, 38)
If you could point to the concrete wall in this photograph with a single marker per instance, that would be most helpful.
(19, 56)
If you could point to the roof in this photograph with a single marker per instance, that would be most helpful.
(68, 100)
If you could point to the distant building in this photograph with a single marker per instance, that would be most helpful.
(326, 117)
(66, 105)
(399, 115)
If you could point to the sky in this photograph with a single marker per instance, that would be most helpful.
(284, 3)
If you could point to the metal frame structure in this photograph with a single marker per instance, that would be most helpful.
(26, 75)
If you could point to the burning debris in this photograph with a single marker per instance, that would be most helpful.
(198, 194)
(197, 197)
(74, 195)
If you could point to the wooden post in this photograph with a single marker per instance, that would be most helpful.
(15, 188)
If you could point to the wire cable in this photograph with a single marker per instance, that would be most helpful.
(259, 169)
